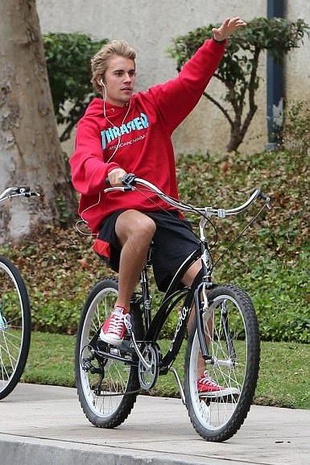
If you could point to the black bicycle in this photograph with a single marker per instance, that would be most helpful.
(224, 334)
(15, 317)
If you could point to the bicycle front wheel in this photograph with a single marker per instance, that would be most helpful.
(106, 376)
(231, 332)
(15, 326)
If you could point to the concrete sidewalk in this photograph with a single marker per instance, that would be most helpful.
(44, 425)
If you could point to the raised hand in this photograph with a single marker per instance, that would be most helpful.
(228, 27)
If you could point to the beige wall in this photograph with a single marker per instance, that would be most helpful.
(149, 26)
(298, 61)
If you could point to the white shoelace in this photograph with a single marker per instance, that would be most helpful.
(207, 380)
(117, 322)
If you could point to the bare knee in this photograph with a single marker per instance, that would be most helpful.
(135, 226)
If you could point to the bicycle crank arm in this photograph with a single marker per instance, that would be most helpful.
(146, 365)
(115, 356)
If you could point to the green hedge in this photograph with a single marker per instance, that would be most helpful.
(271, 261)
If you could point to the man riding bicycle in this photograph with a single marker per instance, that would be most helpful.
(126, 132)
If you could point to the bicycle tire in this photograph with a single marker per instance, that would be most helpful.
(15, 326)
(233, 340)
(111, 405)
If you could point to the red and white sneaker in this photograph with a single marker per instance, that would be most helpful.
(114, 328)
(208, 387)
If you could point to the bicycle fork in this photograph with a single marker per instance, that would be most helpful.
(200, 310)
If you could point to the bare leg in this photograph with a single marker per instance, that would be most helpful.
(135, 232)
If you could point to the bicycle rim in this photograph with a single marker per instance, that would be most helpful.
(15, 326)
(107, 388)
(233, 342)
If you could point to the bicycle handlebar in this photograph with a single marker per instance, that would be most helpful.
(130, 180)
(24, 191)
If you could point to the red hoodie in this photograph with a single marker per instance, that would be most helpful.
(140, 132)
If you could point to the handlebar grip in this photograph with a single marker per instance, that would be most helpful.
(128, 180)
(23, 190)
(27, 192)
(264, 197)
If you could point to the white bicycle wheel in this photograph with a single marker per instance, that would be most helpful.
(15, 326)
(231, 333)
(107, 387)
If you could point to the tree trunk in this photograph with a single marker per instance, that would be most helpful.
(30, 151)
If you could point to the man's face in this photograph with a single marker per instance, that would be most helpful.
(119, 80)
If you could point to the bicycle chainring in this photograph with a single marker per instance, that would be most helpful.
(148, 376)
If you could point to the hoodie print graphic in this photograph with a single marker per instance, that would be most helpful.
(139, 123)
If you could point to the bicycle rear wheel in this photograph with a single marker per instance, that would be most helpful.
(15, 326)
(107, 387)
(232, 337)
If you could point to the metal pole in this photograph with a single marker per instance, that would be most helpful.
(275, 84)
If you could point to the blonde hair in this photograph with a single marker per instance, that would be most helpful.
(99, 62)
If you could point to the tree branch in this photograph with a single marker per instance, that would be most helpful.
(220, 107)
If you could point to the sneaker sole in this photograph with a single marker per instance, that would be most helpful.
(110, 339)
(223, 393)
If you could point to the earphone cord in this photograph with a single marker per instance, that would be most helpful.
(109, 121)
(113, 154)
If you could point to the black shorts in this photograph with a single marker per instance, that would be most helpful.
(173, 241)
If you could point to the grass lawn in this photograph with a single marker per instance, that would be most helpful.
(284, 375)
(271, 261)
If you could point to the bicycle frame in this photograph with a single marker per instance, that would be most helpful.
(176, 291)
(153, 326)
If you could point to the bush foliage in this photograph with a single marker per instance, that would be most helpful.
(68, 58)
(270, 261)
